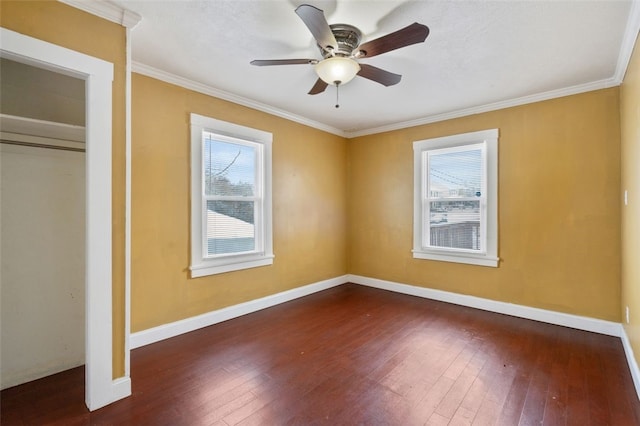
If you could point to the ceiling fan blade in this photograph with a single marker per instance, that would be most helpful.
(319, 87)
(263, 62)
(378, 75)
(315, 20)
(412, 34)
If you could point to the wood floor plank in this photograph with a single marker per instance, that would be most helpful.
(512, 408)
(461, 387)
(577, 401)
(426, 407)
(438, 420)
(498, 379)
(356, 355)
(535, 401)
(472, 401)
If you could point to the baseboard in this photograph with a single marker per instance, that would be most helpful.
(173, 329)
(156, 334)
(121, 388)
(110, 392)
(542, 315)
(631, 360)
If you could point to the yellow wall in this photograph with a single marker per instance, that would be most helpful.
(630, 125)
(559, 207)
(309, 205)
(66, 26)
(346, 206)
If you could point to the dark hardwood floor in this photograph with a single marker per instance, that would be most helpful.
(357, 355)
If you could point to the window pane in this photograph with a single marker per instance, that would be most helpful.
(455, 224)
(230, 227)
(455, 174)
(229, 168)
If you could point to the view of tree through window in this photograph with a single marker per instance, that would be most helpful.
(230, 192)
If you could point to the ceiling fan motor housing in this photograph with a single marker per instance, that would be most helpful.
(348, 38)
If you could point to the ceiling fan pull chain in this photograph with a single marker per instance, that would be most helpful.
(337, 94)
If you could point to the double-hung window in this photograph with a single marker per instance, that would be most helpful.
(230, 197)
(456, 198)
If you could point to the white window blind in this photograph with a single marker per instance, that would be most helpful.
(232, 194)
(230, 197)
(456, 198)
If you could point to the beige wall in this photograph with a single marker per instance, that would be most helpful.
(41, 94)
(559, 207)
(630, 125)
(42, 210)
(309, 205)
(68, 27)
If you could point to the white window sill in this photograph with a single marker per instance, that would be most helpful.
(220, 266)
(468, 258)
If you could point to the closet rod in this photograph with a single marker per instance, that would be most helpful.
(41, 145)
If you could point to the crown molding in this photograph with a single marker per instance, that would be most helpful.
(106, 10)
(628, 41)
(552, 94)
(211, 91)
(129, 19)
(167, 77)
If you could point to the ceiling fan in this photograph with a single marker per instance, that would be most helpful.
(340, 46)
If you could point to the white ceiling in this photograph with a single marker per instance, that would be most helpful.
(479, 55)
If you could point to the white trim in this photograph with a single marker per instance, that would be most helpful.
(42, 128)
(508, 103)
(121, 388)
(106, 10)
(202, 265)
(166, 331)
(468, 258)
(221, 94)
(99, 239)
(127, 207)
(578, 322)
(628, 41)
(98, 74)
(167, 77)
(130, 19)
(221, 266)
(558, 318)
(487, 141)
(631, 360)
(211, 91)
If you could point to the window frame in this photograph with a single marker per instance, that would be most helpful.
(488, 254)
(201, 263)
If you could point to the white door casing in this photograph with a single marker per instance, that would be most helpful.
(101, 389)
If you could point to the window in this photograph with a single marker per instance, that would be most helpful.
(456, 198)
(230, 197)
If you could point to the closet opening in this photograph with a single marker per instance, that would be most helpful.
(42, 222)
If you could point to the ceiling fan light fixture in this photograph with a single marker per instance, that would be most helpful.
(337, 69)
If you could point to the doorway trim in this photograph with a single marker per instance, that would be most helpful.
(100, 387)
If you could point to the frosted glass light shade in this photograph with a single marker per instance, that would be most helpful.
(337, 69)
